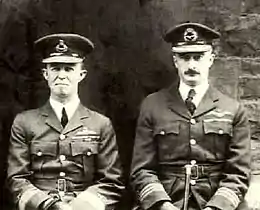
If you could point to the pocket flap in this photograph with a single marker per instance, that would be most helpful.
(84, 148)
(43, 148)
(218, 127)
(169, 128)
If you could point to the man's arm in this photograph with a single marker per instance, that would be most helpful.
(26, 195)
(234, 185)
(108, 187)
(149, 190)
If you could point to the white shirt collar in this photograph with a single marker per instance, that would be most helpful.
(199, 89)
(70, 107)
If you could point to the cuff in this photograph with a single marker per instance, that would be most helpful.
(48, 203)
(88, 200)
(32, 199)
(151, 194)
(224, 199)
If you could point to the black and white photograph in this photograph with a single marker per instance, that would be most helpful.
(129, 105)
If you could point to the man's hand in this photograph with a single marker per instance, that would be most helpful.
(60, 206)
(167, 206)
(252, 197)
(209, 208)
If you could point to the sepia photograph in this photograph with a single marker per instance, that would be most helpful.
(129, 105)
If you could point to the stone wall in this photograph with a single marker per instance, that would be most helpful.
(131, 59)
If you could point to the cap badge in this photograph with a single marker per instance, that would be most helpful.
(190, 35)
(61, 47)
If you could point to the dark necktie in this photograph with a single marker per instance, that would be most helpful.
(64, 118)
(190, 105)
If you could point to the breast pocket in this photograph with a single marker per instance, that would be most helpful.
(168, 140)
(41, 152)
(218, 127)
(217, 136)
(84, 153)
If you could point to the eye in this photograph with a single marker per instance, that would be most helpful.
(197, 57)
(68, 69)
(185, 56)
(55, 69)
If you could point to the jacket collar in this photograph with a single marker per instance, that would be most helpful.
(177, 104)
(76, 121)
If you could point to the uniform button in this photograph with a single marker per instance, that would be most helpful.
(62, 157)
(192, 182)
(162, 132)
(89, 153)
(193, 142)
(62, 137)
(193, 121)
(62, 174)
(220, 131)
(39, 153)
(193, 162)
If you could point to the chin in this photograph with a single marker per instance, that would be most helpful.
(61, 94)
(192, 82)
(61, 90)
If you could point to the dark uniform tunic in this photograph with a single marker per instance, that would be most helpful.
(47, 159)
(216, 138)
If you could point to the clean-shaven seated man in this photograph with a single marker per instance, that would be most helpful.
(63, 156)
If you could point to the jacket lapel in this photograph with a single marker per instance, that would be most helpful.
(208, 102)
(51, 118)
(77, 119)
(175, 102)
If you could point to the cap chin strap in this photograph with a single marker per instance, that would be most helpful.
(62, 59)
(191, 48)
(191, 43)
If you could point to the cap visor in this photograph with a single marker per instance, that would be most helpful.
(191, 48)
(62, 59)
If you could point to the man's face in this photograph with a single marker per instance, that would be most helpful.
(193, 67)
(63, 78)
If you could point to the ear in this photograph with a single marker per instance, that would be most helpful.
(174, 59)
(212, 58)
(45, 73)
(83, 74)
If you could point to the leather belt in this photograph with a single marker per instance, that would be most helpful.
(61, 185)
(197, 171)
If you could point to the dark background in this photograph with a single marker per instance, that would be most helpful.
(130, 59)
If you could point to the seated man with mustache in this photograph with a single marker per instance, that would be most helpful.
(192, 145)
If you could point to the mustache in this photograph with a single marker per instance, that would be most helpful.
(191, 71)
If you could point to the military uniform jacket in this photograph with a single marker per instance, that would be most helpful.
(45, 158)
(168, 137)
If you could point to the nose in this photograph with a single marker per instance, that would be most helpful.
(62, 73)
(192, 63)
